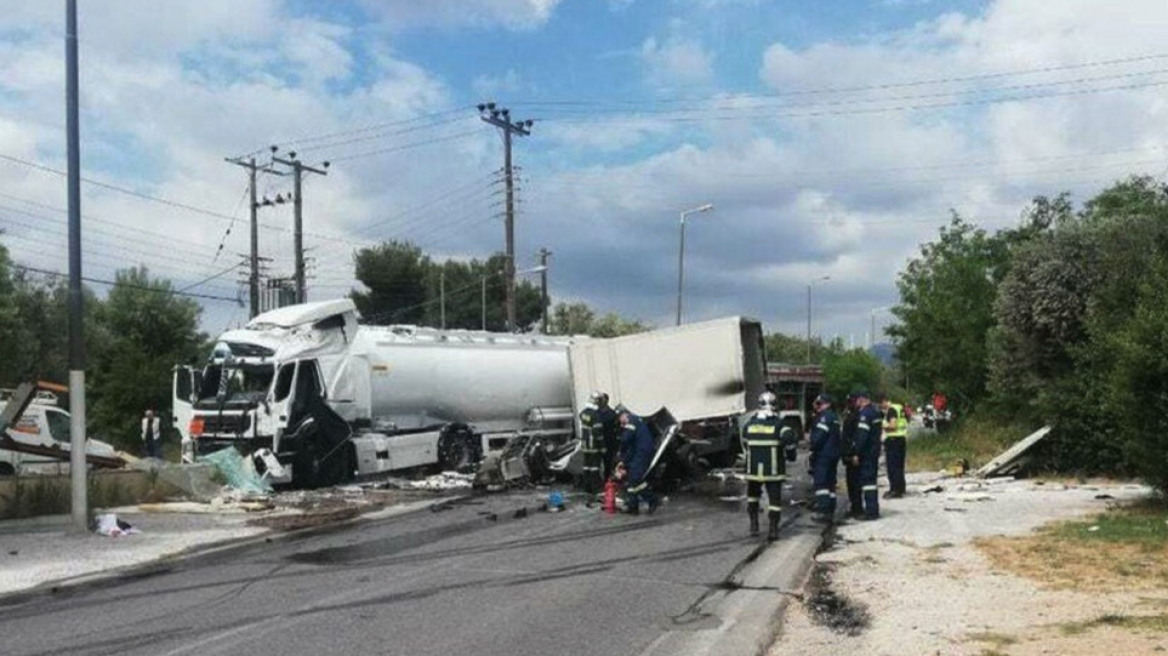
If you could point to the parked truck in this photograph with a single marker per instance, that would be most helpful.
(331, 398)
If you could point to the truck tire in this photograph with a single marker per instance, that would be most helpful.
(457, 448)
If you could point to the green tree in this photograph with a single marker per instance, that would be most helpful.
(846, 370)
(946, 311)
(395, 274)
(147, 329)
(579, 319)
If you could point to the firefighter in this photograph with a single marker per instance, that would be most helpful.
(636, 454)
(825, 456)
(851, 421)
(895, 446)
(867, 458)
(764, 434)
(610, 428)
(592, 445)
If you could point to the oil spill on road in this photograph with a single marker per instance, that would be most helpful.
(829, 608)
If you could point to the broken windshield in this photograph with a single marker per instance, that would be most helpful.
(243, 381)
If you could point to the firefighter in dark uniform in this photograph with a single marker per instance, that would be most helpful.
(851, 421)
(610, 429)
(636, 455)
(592, 445)
(867, 447)
(825, 456)
(764, 435)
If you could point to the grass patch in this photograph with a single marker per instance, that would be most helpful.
(1124, 548)
(1147, 623)
(976, 440)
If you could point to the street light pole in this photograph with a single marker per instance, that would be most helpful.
(809, 284)
(681, 254)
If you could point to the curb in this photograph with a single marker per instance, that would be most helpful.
(166, 563)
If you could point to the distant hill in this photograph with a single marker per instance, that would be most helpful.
(885, 352)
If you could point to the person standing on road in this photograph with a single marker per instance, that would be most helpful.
(763, 436)
(636, 454)
(592, 446)
(825, 456)
(895, 446)
(867, 458)
(151, 435)
(848, 454)
(610, 429)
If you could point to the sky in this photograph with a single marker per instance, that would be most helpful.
(832, 138)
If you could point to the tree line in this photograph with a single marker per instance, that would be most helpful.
(133, 338)
(1061, 321)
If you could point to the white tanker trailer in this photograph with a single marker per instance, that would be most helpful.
(332, 398)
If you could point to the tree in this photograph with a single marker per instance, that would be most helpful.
(946, 311)
(579, 319)
(147, 329)
(846, 370)
(406, 286)
(395, 275)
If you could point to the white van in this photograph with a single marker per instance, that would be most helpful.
(43, 424)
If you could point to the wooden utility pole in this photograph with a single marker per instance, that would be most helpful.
(501, 118)
(298, 168)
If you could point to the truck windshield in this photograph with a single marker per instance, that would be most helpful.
(244, 381)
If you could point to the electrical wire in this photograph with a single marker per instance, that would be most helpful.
(116, 283)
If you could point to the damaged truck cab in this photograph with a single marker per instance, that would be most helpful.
(333, 399)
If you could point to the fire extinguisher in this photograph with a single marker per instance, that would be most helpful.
(610, 490)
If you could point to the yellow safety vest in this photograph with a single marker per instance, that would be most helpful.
(897, 427)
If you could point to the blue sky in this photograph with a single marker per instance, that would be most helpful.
(832, 137)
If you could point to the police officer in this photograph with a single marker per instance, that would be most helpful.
(867, 448)
(592, 444)
(825, 455)
(763, 436)
(895, 447)
(610, 428)
(636, 454)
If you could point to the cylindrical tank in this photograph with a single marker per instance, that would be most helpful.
(423, 376)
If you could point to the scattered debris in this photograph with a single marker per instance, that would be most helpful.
(931, 490)
(1012, 459)
(109, 525)
(1104, 496)
(970, 498)
(448, 480)
(240, 472)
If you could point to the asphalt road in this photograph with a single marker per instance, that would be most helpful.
(471, 579)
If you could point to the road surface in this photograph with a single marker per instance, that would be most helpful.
(470, 579)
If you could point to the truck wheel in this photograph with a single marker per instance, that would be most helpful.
(456, 448)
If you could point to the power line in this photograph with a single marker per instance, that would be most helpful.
(378, 126)
(116, 283)
(408, 146)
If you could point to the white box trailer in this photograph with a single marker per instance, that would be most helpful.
(707, 374)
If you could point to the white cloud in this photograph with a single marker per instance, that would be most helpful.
(676, 62)
(489, 86)
(511, 14)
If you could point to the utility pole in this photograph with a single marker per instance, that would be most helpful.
(253, 280)
(442, 294)
(484, 306)
(298, 168)
(77, 465)
(543, 285)
(501, 118)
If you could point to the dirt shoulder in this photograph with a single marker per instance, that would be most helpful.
(923, 580)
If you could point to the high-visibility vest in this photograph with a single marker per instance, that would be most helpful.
(897, 427)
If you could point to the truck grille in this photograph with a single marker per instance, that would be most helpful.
(226, 424)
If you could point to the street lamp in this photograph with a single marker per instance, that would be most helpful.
(809, 284)
(681, 253)
(872, 335)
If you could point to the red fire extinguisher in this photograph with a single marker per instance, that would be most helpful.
(610, 490)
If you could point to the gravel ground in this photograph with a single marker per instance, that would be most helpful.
(928, 590)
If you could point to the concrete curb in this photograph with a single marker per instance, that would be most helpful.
(747, 614)
(169, 562)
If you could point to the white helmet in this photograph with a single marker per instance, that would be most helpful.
(767, 401)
